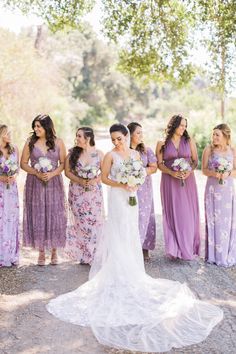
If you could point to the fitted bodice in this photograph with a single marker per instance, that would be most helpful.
(52, 155)
(117, 163)
(216, 155)
(94, 162)
(171, 153)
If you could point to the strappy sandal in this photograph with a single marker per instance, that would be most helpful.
(54, 259)
(41, 258)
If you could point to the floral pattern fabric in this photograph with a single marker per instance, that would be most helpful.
(9, 223)
(220, 214)
(147, 224)
(86, 217)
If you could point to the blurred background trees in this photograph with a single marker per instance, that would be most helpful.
(146, 70)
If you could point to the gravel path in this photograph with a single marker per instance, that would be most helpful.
(27, 328)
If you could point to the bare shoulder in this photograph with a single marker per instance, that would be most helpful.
(100, 153)
(59, 142)
(233, 150)
(207, 150)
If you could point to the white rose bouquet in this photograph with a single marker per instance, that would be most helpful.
(133, 174)
(8, 167)
(181, 165)
(44, 165)
(87, 172)
(221, 165)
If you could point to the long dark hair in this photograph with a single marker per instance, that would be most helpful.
(10, 148)
(118, 127)
(50, 134)
(173, 124)
(76, 151)
(132, 127)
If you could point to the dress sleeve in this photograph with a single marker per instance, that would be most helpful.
(151, 157)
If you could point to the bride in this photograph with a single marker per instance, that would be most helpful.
(125, 307)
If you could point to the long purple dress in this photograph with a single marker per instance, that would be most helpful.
(44, 221)
(220, 213)
(9, 222)
(86, 217)
(147, 224)
(181, 221)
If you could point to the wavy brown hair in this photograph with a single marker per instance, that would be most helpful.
(10, 148)
(76, 151)
(132, 127)
(173, 124)
(50, 134)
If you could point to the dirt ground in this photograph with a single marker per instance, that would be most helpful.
(27, 328)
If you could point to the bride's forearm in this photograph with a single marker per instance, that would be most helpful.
(110, 182)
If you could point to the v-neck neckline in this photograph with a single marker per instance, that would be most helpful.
(44, 154)
(176, 148)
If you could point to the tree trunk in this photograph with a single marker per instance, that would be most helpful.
(38, 37)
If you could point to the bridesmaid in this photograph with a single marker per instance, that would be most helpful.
(181, 220)
(85, 198)
(9, 203)
(44, 222)
(147, 224)
(220, 199)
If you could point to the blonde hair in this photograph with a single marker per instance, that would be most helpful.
(9, 147)
(226, 131)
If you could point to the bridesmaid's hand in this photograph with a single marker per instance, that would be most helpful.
(186, 174)
(177, 174)
(46, 176)
(4, 179)
(225, 175)
(93, 181)
(11, 179)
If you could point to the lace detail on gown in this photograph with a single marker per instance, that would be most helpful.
(125, 307)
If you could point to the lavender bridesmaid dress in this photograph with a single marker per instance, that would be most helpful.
(220, 213)
(44, 221)
(9, 222)
(181, 221)
(147, 224)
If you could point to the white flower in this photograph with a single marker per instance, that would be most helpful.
(37, 166)
(137, 165)
(44, 162)
(132, 181)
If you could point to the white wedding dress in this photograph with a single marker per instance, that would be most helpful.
(125, 307)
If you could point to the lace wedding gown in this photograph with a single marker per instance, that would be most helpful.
(125, 307)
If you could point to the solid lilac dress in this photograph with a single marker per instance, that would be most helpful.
(181, 221)
(44, 221)
(9, 222)
(147, 224)
(220, 213)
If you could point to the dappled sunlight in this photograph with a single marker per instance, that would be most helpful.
(13, 302)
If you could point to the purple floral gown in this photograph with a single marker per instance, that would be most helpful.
(147, 224)
(220, 214)
(44, 221)
(86, 217)
(9, 222)
(181, 221)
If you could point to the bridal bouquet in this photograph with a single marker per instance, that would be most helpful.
(87, 172)
(132, 173)
(44, 165)
(8, 167)
(181, 165)
(221, 165)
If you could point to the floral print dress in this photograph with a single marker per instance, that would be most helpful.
(9, 222)
(220, 214)
(86, 217)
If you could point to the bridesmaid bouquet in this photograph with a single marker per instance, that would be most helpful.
(87, 172)
(8, 167)
(181, 165)
(221, 165)
(44, 165)
(132, 173)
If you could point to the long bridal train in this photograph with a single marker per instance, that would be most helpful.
(125, 307)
